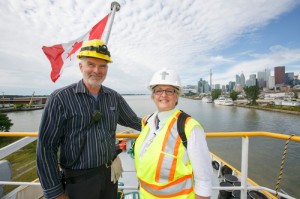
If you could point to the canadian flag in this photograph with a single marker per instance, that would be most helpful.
(61, 55)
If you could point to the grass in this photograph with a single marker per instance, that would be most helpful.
(273, 107)
(4, 141)
(287, 108)
(23, 163)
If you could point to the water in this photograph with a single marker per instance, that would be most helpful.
(264, 154)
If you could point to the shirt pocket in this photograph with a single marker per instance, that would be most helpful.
(112, 120)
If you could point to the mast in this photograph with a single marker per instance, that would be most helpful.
(115, 7)
(31, 99)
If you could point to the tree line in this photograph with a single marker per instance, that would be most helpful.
(251, 92)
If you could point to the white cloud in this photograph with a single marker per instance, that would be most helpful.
(146, 36)
(278, 56)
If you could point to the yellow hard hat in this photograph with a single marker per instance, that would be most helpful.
(94, 48)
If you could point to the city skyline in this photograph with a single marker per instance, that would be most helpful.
(191, 37)
(263, 79)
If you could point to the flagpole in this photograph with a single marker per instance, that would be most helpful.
(115, 7)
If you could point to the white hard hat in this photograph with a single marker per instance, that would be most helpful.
(165, 77)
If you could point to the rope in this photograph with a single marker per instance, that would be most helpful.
(282, 164)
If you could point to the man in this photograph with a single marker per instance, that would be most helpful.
(79, 122)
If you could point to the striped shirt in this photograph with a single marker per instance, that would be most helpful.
(66, 122)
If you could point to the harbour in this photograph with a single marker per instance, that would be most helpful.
(264, 154)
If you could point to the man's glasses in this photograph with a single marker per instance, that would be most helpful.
(97, 115)
(168, 92)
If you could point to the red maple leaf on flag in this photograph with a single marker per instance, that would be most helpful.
(75, 47)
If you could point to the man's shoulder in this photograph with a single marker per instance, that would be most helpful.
(109, 91)
(65, 90)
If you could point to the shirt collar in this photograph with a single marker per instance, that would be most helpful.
(163, 116)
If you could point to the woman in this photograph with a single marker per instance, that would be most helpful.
(165, 168)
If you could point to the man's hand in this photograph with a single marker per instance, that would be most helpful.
(201, 197)
(116, 169)
(63, 196)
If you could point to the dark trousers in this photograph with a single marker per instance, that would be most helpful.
(97, 186)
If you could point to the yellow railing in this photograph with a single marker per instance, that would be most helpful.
(129, 134)
(208, 135)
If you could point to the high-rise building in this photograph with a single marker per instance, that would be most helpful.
(267, 76)
(296, 80)
(217, 86)
(242, 80)
(224, 88)
(231, 85)
(279, 74)
(251, 81)
(261, 81)
(237, 79)
(271, 82)
(203, 86)
(289, 77)
(200, 86)
(210, 80)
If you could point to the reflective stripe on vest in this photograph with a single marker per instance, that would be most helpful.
(170, 146)
(179, 187)
(144, 120)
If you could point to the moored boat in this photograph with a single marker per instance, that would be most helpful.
(220, 100)
(207, 99)
(290, 103)
(225, 101)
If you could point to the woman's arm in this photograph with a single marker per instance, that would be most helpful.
(199, 156)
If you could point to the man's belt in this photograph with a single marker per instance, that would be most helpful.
(85, 176)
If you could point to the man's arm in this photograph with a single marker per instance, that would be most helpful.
(127, 116)
(47, 146)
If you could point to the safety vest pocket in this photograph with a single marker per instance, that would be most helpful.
(166, 167)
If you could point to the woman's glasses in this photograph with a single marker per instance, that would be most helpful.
(168, 92)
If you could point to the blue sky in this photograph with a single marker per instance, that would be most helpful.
(283, 30)
(191, 37)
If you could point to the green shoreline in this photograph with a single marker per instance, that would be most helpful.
(268, 108)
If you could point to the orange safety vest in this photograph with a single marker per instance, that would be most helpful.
(161, 170)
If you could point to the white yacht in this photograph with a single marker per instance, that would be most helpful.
(207, 99)
(228, 102)
(290, 103)
(220, 100)
(224, 101)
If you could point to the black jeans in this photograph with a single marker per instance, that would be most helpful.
(96, 186)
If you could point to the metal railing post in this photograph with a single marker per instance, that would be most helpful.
(244, 166)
